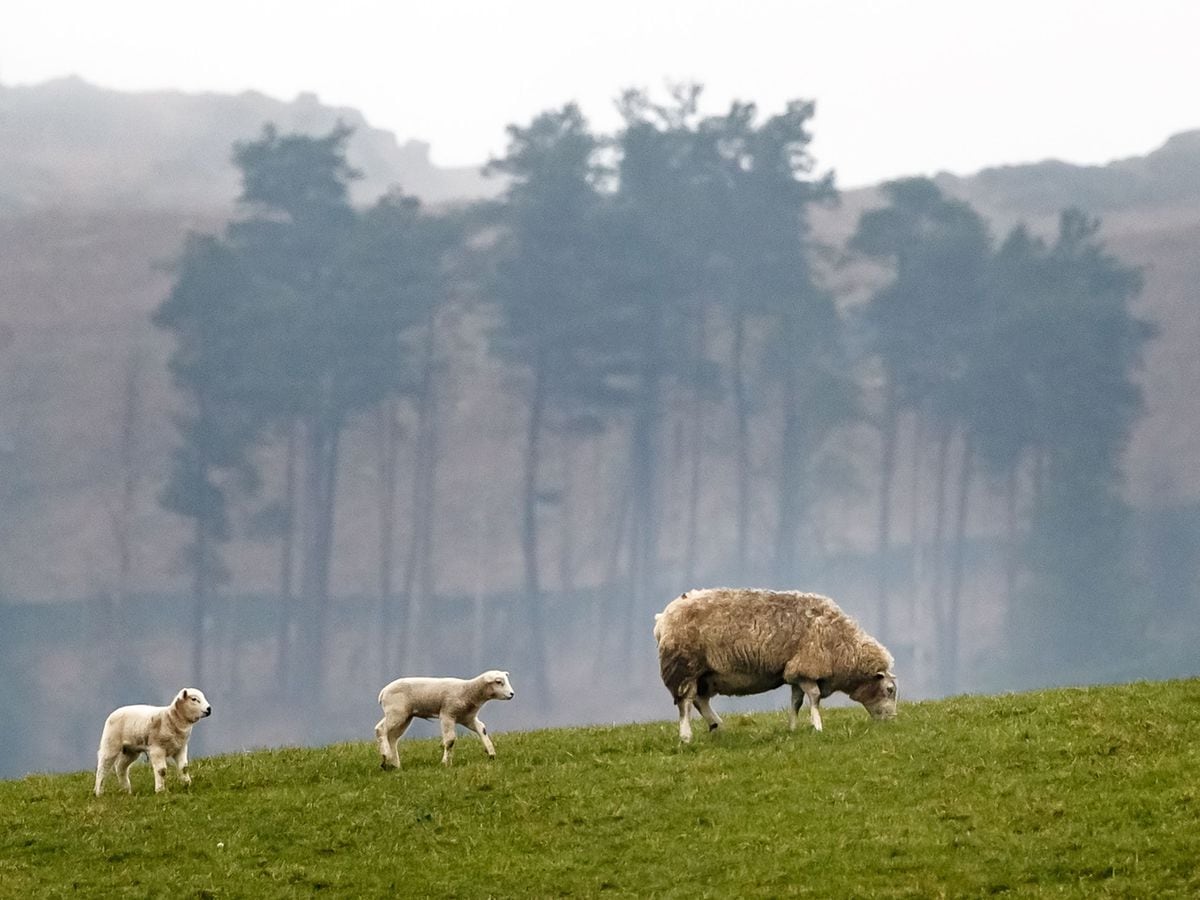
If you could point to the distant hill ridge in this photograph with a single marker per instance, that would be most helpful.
(1168, 176)
(67, 143)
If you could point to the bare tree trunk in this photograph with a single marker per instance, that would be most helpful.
(695, 467)
(127, 510)
(792, 457)
(644, 465)
(916, 540)
(1012, 489)
(287, 555)
(741, 411)
(938, 554)
(529, 531)
(887, 469)
(695, 457)
(950, 651)
(200, 591)
(320, 491)
(201, 571)
(389, 449)
(568, 447)
(418, 577)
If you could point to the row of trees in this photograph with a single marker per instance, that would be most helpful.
(640, 281)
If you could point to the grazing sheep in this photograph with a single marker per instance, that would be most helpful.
(161, 732)
(742, 641)
(451, 700)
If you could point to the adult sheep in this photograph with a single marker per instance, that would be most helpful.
(742, 641)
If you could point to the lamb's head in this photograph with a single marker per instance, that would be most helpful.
(498, 686)
(878, 695)
(192, 705)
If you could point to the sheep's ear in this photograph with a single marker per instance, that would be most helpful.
(183, 695)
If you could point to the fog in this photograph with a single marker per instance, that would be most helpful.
(320, 441)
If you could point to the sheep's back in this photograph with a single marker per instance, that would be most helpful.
(755, 632)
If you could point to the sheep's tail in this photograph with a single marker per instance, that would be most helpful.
(677, 672)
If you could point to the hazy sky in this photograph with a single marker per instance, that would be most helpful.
(902, 86)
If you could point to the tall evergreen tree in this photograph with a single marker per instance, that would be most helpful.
(760, 254)
(308, 306)
(206, 312)
(922, 325)
(554, 323)
(656, 258)
(1082, 346)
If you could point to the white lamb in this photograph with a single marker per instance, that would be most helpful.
(161, 732)
(450, 700)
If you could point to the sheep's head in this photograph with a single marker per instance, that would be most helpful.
(498, 685)
(878, 695)
(192, 705)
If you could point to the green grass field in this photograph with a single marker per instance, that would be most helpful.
(1079, 792)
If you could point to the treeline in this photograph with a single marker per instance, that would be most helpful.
(660, 290)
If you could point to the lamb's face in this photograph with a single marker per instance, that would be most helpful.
(878, 695)
(192, 704)
(499, 687)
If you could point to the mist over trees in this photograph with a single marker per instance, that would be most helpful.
(649, 280)
(699, 405)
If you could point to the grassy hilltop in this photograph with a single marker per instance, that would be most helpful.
(1077, 792)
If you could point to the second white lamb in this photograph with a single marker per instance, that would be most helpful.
(453, 701)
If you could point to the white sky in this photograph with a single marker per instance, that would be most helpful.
(902, 86)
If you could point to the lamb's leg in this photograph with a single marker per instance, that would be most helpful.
(104, 765)
(181, 763)
(794, 706)
(477, 726)
(813, 692)
(389, 731)
(710, 715)
(158, 762)
(447, 739)
(685, 716)
(124, 761)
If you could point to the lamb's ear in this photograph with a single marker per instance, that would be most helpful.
(183, 695)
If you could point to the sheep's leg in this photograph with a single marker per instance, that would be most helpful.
(123, 763)
(477, 726)
(710, 715)
(813, 692)
(794, 706)
(685, 716)
(448, 739)
(158, 762)
(388, 731)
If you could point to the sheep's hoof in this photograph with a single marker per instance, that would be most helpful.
(713, 726)
(386, 764)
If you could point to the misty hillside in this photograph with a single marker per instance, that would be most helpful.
(98, 190)
(68, 144)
